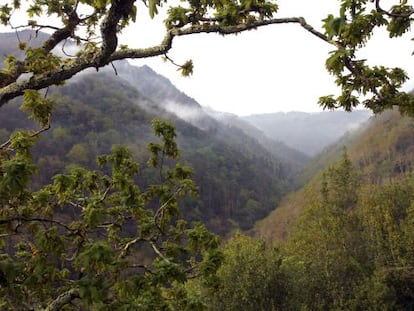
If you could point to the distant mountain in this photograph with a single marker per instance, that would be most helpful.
(9, 42)
(226, 127)
(240, 181)
(153, 85)
(296, 159)
(309, 133)
(381, 151)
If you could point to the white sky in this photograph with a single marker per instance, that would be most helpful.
(274, 68)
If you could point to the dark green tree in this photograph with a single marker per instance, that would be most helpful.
(387, 217)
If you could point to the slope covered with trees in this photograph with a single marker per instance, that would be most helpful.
(351, 248)
(381, 151)
(239, 180)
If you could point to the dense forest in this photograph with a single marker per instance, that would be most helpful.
(350, 248)
(112, 198)
(345, 244)
(98, 112)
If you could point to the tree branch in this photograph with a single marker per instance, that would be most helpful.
(37, 133)
(108, 54)
(63, 300)
(159, 212)
(35, 219)
(62, 33)
(110, 27)
(128, 245)
(158, 252)
(381, 10)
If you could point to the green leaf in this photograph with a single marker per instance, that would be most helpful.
(152, 5)
(187, 68)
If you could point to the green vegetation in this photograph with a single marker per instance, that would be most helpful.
(352, 245)
(351, 249)
(239, 181)
(381, 152)
(82, 238)
(110, 236)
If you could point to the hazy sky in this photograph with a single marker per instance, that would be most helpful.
(274, 68)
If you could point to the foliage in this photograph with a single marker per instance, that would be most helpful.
(250, 278)
(81, 238)
(239, 182)
(349, 31)
(350, 249)
(75, 241)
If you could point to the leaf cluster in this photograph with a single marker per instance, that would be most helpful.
(375, 87)
(86, 232)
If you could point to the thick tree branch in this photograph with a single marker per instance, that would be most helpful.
(110, 27)
(63, 33)
(107, 54)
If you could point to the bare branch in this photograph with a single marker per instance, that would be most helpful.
(159, 211)
(128, 245)
(63, 299)
(35, 219)
(158, 252)
(77, 205)
(114, 68)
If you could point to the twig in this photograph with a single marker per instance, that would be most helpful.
(128, 246)
(38, 132)
(36, 219)
(114, 68)
(158, 252)
(63, 299)
(159, 213)
(381, 10)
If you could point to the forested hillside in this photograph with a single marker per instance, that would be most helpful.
(230, 128)
(381, 152)
(342, 242)
(239, 181)
(349, 248)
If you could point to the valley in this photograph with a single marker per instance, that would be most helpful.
(289, 211)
